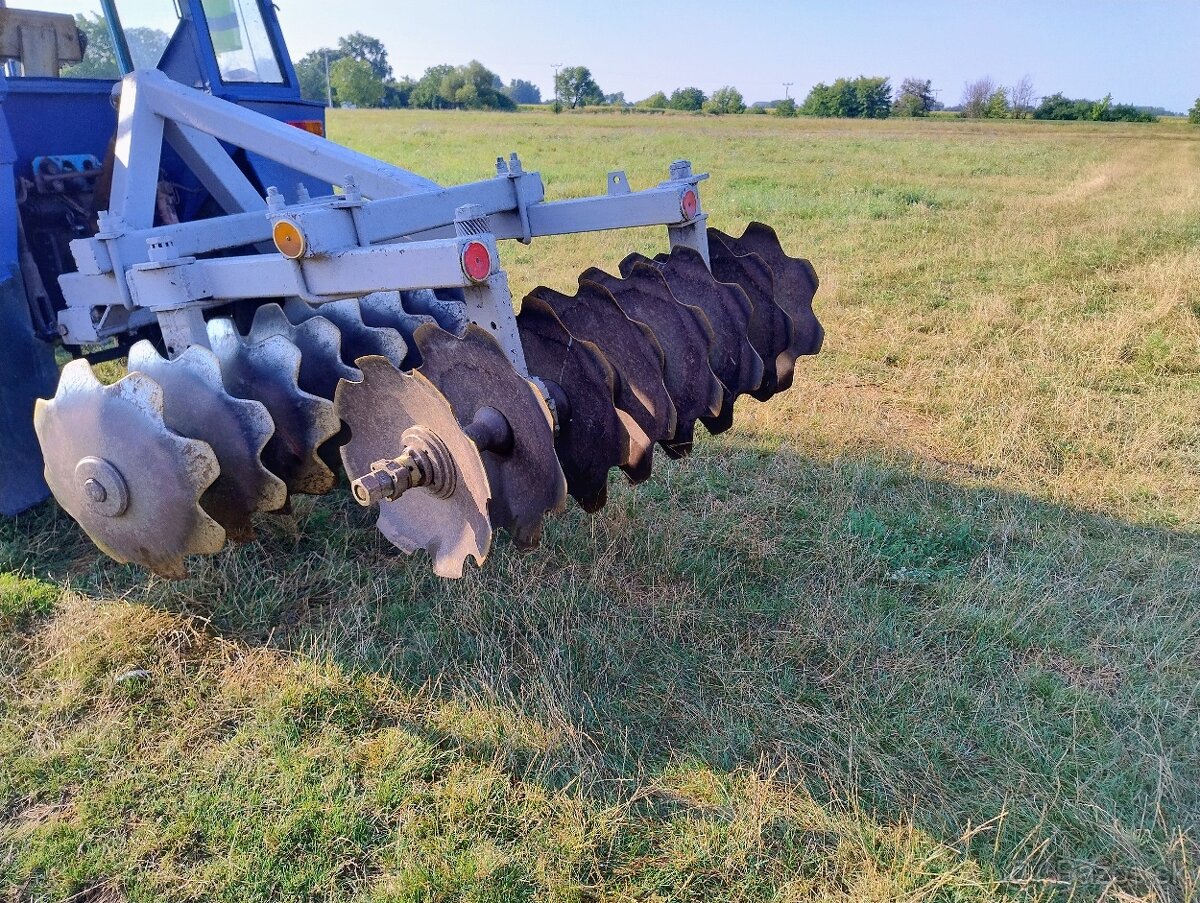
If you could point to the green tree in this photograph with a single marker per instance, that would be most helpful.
(427, 92)
(819, 101)
(690, 99)
(355, 82)
(100, 59)
(521, 91)
(915, 98)
(786, 107)
(469, 87)
(1194, 113)
(863, 97)
(1101, 109)
(310, 72)
(368, 49)
(575, 87)
(656, 101)
(475, 87)
(845, 100)
(1057, 106)
(726, 100)
(997, 105)
(397, 94)
(874, 95)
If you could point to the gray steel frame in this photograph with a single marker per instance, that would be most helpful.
(389, 229)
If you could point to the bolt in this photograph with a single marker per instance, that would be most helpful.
(680, 170)
(95, 491)
(373, 488)
(387, 480)
(275, 200)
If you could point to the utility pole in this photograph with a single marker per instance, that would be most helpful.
(328, 86)
(787, 89)
(556, 67)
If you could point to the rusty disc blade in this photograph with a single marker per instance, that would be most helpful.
(379, 408)
(591, 437)
(796, 284)
(729, 311)
(636, 358)
(473, 372)
(133, 484)
(728, 326)
(197, 406)
(268, 372)
(685, 337)
(358, 339)
(769, 328)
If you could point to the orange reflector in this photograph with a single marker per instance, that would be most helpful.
(476, 261)
(289, 239)
(312, 126)
(689, 203)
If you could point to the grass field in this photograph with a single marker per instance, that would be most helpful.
(923, 628)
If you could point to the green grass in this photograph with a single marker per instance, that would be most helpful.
(923, 628)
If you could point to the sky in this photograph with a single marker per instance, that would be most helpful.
(1146, 52)
(1142, 52)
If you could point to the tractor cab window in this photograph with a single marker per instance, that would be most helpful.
(242, 44)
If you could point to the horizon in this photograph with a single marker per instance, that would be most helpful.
(1068, 48)
(1141, 53)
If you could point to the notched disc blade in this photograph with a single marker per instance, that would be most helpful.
(386, 310)
(636, 358)
(473, 372)
(321, 364)
(770, 327)
(268, 372)
(320, 344)
(729, 311)
(446, 306)
(686, 338)
(197, 406)
(756, 277)
(358, 339)
(796, 284)
(591, 437)
(132, 483)
(378, 409)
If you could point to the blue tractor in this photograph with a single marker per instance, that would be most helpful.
(56, 133)
(287, 309)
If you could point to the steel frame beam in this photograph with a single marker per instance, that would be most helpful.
(389, 230)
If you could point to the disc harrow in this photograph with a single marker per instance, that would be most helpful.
(446, 431)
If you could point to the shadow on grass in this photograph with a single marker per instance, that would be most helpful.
(1018, 679)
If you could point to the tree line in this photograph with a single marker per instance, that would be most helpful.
(356, 72)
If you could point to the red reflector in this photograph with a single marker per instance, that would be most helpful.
(689, 203)
(476, 261)
(312, 126)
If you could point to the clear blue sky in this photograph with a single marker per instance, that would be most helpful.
(1142, 52)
